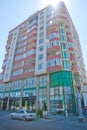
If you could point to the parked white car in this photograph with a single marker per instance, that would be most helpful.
(23, 115)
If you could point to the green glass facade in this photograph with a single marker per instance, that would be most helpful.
(62, 92)
(58, 91)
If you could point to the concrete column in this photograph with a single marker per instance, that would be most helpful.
(3, 96)
(21, 93)
(37, 94)
(48, 93)
(7, 108)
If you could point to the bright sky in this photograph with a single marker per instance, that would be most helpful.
(14, 12)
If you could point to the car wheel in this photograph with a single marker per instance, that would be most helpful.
(24, 118)
(12, 117)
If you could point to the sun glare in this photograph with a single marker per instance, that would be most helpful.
(52, 2)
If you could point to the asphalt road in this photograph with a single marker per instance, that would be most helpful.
(55, 123)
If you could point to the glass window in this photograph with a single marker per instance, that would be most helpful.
(42, 17)
(42, 80)
(20, 50)
(53, 62)
(41, 28)
(22, 38)
(64, 54)
(61, 31)
(33, 19)
(41, 34)
(42, 13)
(51, 91)
(62, 38)
(40, 92)
(41, 41)
(65, 64)
(63, 46)
(70, 45)
(41, 48)
(48, 10)
(61, 24)
(40, 66)
(40, 57)
(41, 22)
(57, 61)
(21, 44)
(18, 72)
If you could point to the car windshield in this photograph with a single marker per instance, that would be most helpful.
(20, 111)
(28, 111)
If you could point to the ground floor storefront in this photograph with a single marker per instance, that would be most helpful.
(56, 90)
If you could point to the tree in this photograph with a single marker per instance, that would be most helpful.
(44, 106)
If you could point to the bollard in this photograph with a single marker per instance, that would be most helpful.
(66, 113)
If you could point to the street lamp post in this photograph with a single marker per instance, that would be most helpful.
(81, 118)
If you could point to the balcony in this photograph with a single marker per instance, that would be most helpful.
(72, 57)
(27, 74)
(54, 68)
(31, 57)
(23, 67)
(71, 49)
(53, 48)
(74, 68)
(51, 28)
(68, 33)
(53, 57)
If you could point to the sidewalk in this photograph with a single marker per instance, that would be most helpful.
(69, 123)
(72, 118)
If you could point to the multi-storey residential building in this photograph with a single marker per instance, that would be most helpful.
(43, 63)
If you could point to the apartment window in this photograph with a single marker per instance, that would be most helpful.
(28, 53)
(20, 57)
(40, 41)
(62, 38)
(6, 76)
(40, 57)
(53, 62)
(63, 46)
(41, 22)
(57, 61)
(42, 17)
(21, 44)
(70, 45)
(20, 50)
(52, 35)
(61, 24)
(65, 64)
(42, 13)
(14, 38)
(53, 43)
(15, 33)
(40, 66)
(22, 38)
(33, 19)
(41, 28)
(42, 80)
(52, 91)
(18, 72)
(8, 67)
(64, 54)
(41, 48)
(48, 10)
(41, 34)
(61, 31)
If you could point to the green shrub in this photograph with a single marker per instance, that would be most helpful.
(44, 106)
(39, 113)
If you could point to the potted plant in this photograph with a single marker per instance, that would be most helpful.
(39, 113)
(44, 109)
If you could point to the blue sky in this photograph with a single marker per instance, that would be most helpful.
(14, 12)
